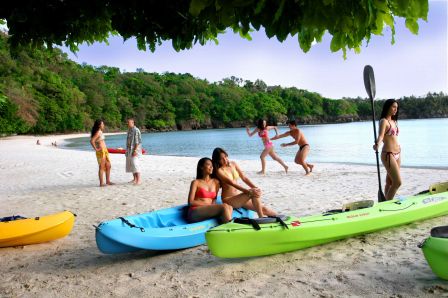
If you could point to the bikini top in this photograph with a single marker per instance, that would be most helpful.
(263, 133)
(101, 137)
(233, 175)
(204, 194)
(392, 131)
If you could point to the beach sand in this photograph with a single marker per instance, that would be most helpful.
(39, 180)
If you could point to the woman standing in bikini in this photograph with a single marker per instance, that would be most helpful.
(102, 155)
(202, 197)
(390, 154)
(263, 133)
(228, 173)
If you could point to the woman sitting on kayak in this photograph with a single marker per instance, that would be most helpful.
(390, 154)
(234, 194)
(202, 197)
(263, 132)
(97, 140)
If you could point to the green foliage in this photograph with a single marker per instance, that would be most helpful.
(188, 22)
(41, 91)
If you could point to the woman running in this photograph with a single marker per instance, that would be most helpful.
(228, 173)
(390, 154)
(102, 155)
(263, 132)
(202, 197)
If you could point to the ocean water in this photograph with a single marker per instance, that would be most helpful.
(424, 143)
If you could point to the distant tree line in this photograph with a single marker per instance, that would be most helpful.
(42, 91)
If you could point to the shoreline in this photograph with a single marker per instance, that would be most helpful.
(44, 180)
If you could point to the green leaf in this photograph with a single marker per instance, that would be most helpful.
(196, 6)
(412, 25)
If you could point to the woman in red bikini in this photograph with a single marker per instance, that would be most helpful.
(263, 133)
(234, 194)
(202, 196)
(390, 154)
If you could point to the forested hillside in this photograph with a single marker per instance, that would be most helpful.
(42, 91)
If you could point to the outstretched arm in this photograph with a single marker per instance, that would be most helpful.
(251, 133)
(277, 136)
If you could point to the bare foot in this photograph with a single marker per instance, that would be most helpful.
(308, 174)
(311, 167)
(132, 182)
(103, 185)
(261, 173)
(110, 183)
(286, 169)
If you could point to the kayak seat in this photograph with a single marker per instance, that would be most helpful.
(357, 205)
(438, 188)
(440, 232)
(255, 222)
(11, 218)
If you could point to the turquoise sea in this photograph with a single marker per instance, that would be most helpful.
(424, 143)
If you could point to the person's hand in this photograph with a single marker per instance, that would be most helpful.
(97, 149)
(134, 153)
(375, 147)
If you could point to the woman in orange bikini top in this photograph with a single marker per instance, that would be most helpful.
(391, 151)
(202, 197)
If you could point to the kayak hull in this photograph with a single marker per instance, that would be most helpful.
(36, 230)
(435, 250)
(234, 240)
(164, 229)
(120, 151)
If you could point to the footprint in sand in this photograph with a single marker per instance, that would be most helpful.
(67, 174)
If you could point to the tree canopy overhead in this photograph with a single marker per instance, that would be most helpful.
(187, 22)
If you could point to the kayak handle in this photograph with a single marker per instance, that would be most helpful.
(422, 243)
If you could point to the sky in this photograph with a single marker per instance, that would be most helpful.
(414, 65)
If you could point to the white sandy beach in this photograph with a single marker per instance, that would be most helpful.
(39, 180)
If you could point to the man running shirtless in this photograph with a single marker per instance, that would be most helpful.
(299, 139)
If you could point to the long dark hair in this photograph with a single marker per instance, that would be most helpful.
(199, 168)
(386, 106)
(216, 156)
(260, 124)
(96, 127)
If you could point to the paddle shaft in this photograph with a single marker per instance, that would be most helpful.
(369, 83)
(380, 191)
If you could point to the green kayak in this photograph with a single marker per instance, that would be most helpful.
(435, 249)
(252, 238)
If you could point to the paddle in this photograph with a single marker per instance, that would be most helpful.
(369, 83)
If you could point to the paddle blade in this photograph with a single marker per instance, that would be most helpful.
(369, 81)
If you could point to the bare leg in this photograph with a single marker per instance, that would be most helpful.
(137, 179)
(263, 155)
(205, 212)
(393, 171)
(241, 199)
(101, 170)
(108, 167)
(266, 211)
(300, 159)
(278, 159)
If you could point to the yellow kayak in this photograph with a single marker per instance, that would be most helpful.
(36, 230)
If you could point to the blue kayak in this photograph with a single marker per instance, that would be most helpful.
(164, 229)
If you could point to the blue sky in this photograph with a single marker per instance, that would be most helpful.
(414, 65)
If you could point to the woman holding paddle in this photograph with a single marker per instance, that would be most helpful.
(390, 154)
